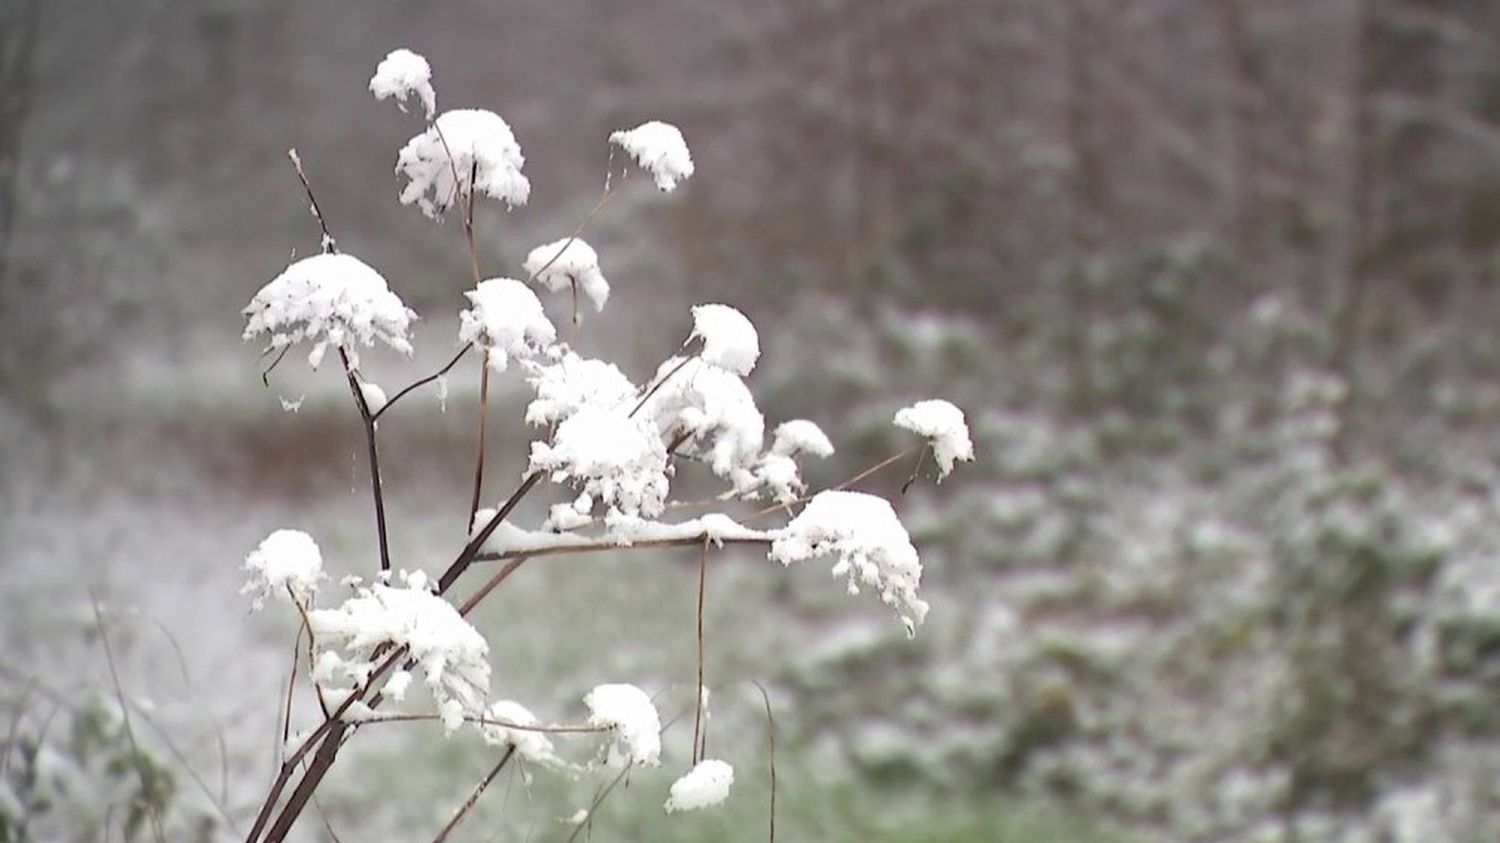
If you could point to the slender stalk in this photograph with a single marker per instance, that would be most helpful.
(484, 405)
(471, 550)
(463, 811)
(660, 383)
(605, 545)
(368, 419)
(424, 381)
(771, 743)
(699, 744)
(330, 246)
(894, 458)
(494, 582)
(598, 800)
(577, 232)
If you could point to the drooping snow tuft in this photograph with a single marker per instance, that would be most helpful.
(506, 319)
(613, 457)
(453, 655)
(660, 150)
(627, 710)
(401, 74)
(530, 744)
(729, 338)
(704, 786)
(944, 426)
(329, 299)
(439, 163)
(800, 436)
(870, 546)
(561, 264)
(572, 383)
(715, 409)
(286, 559)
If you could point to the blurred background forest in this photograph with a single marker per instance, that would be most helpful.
(1216, 281)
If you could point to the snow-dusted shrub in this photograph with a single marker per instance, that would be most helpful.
(615, 444)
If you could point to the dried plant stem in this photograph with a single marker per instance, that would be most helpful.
(598, 800)
(368, 419)
(471, 550)
(700, 740)
(888, 461)
(463, 811)
(484, 406)
(424, 381)
(771, 745)
(547, 728)
(660, 383)
(605, 545)
(330, 246)
(577, 232)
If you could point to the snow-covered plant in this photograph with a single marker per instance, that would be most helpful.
(610, 444)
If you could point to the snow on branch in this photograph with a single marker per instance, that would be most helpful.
(561, 264)
(570, 384)
(870, 547)
(659, 149)
(286, 563)
(944, 427)
(615, 458)
(530, 744)
(729, 338)
(401, 74)
(715, 409)
(630, 713)
(704, 786)
(800, 436)
(506, 319)
(329, 299)
(453, 655)
(439, 163)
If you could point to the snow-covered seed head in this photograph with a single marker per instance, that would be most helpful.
(630, 713)
(461, 146)
(287, 563)
(401, 74)
(506, 319)
(704, 786)
(561, 264)
(659, 149)
(945, 429)
(729, 338)
(329, 299)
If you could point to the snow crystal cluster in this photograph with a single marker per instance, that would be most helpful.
(660, 150)
(506, 319)
(464, 151)
(868, 543)
(704, 786)
(944, 426)
(615, 458)
(329, 299)
(453, 656)
(402, 74)
(287, 562)
(503, 725)
(566, 263)
(637, 727)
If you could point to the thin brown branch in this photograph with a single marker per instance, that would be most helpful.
(660, 383)
(594, 806)
(605, 545)
(424, 381)
(894, 458)
(484, 405)
(699, 747)
(330, 246)
(265, 376)
(771, 743)
(494, 582)
(471, 550)
(548, 728)
(577, 232)
(368, 419)
(463, 811)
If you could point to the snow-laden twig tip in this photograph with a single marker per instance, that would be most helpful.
(461, 145)
(704, 786)
(632, 715)
(868, 543)
(729, 338)
(286, 563)
(659, 149)
(561, 264)
(506, 319)
(330, 299)
(944, 426)
(401, 74)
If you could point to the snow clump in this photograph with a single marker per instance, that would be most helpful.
(944, 426)
(462, 143)
(617, 459)
(704, 786)
(660, 150)
(715, 409)
(561, 264)
(871, 547)
(800, 436)
(530, 744)
(452, 654)
(330, 299)
(729, 339)
(627, 710)
(401, 74)
(285, 560)
(572, 383)
(506, 320)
